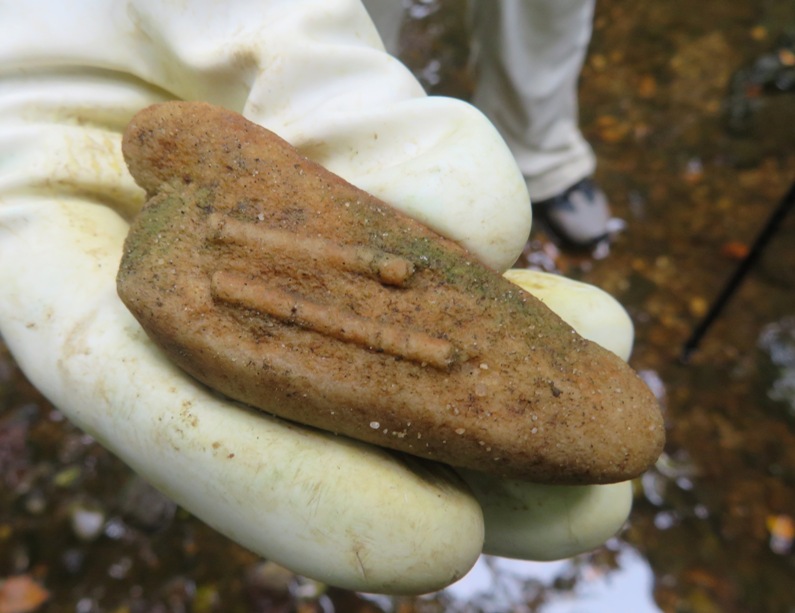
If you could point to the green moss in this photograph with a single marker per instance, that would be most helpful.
(153, 228)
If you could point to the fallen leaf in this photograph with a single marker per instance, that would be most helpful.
(759, 33)
(611, 129)
(734, 250)
(698, 306)
(647, 88)
(21, 594)
(782, 532)
(786, 57)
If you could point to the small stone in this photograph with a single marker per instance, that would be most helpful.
(87, 523)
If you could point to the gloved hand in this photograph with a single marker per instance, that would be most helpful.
(314, 72)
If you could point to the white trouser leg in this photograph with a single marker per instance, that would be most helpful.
(387, 15)
(530, 56)
(530, 53)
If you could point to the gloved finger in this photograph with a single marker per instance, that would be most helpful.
(592, 312)
(439, 161)
(530, 521)
(547, 522)
(61, 134)
(338, 511)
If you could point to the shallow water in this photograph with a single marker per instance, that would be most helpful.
(695, 150)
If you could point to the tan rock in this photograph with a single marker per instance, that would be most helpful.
(280, 285)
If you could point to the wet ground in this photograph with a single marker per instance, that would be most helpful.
(689, 110)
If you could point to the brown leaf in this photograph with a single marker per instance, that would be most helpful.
(647, 88)
(734, 250)
(21, 594)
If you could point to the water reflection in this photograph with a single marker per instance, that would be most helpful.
(777, 340)
(580, 585)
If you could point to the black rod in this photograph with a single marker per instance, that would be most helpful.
(767, 232)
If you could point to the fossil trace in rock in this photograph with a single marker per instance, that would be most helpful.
(279, 284)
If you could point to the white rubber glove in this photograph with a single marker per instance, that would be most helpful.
(314, 72)
(547, 522)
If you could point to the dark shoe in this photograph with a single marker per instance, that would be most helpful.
(579, 215)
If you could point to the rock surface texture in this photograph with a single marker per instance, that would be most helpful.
(284, 287)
